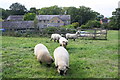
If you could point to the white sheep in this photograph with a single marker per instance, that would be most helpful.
(101, 32)
(61, 57)
(42, 54)
(72, 36)
(63, 42)
(55, 37)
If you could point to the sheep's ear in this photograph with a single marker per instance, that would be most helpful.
(56, 66)
(52, 60)
(63, 41)
(67, 67)
(66, 43)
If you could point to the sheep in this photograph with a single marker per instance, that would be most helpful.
(72, 36)
(55, 37)
(42, 54)
(101, 32)
(61, 57)
(63, 42)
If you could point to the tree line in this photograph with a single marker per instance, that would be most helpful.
(82, 15)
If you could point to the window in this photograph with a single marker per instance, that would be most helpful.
(44, 21)
(39, 20)
(58, 21)
(47, 20)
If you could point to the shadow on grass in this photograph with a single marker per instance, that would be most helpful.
(76, 70)
(71, 50)
(77, 67)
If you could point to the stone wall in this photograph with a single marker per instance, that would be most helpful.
(17, 24)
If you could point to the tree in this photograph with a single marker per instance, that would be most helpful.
(117, 16)
(114, 20)
(99, 17)
(33, 10)
(17, 9)
(82, 14)
(86, 14)
(29, 16)
(91, 24)
(73, 12)
(35, 23)
(5, 13)
(75, 24)
(53, 10)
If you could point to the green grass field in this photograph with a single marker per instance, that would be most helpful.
(88, 58)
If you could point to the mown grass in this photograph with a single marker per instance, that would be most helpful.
(88, 58)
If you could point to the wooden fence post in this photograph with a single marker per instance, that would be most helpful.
(94, 37)
(106, 35)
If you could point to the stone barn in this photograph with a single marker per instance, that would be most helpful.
(17, 22)
(15, 18)
(52, 20)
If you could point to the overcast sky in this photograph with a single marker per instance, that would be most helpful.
(105, 7)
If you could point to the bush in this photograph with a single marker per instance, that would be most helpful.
(112, 25)
(75, 24)
(91, 24)
(50, 30)
(29, 16)
(84, 27)
(68, 26)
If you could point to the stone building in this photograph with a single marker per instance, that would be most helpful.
(17, 21)
(15, 18)
(52, 20)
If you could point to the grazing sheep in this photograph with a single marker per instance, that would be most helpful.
(55, 37)
(63, 42)
(42, 54)
(61, 57)
(101, 32)
(72, 36)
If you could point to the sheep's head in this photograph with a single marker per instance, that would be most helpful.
(78, 33)
(65, 43)
(62, 69)
(50, 60)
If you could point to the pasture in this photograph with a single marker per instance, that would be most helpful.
(88, 58)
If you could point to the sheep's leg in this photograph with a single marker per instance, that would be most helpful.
(65, 47)
(54, 40)
(35, 56)
(74, 39)
(40, 62)
(48, 65)
(65, 73)
(58, 41)
(56, 66)
(51, 39)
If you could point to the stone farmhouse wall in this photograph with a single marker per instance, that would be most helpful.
(17, 24)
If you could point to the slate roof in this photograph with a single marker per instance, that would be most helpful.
(49, 17)
(17, 24)
(15, 18)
